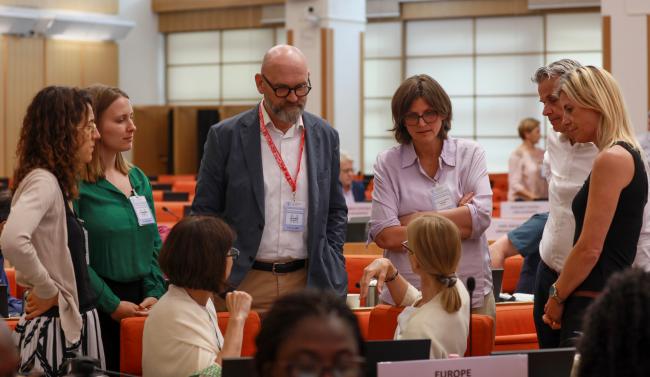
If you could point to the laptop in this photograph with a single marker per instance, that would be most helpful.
(357, 230)
(497, 280)
(395, 350)
(238, 367)
(552, 362)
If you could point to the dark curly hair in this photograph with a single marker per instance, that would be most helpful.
(49, 137)
(425, 87)
(288, 311)
(616, 334)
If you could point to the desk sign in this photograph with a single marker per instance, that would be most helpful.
(485, 366)
(360, 209)
(523, 209)
(500, 226)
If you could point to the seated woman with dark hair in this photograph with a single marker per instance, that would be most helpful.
(616, 331)
(181, 335)
(307, 333)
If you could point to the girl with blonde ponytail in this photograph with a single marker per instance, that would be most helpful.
(440, 311)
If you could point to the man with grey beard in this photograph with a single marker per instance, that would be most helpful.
(272, 174)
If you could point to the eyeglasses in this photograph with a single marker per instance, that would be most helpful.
(413, 119)
(342, 368)
(283, 91)
(406, 247)
(233, 252)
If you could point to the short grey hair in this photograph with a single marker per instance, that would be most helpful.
(345, 157)
(555, 69)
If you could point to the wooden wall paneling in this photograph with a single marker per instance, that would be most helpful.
(150, 147)
(327, 74)
(4, 146)
(230, 111)
(187, 5)
(647, 26)
(607, 43)
(98, 6)
(231, 18)
(290, 37)
(63, 63)
(25, 73)
(100, 63)
(362, 104)
(468, 8)
(185, 139)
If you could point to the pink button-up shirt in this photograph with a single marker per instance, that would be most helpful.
(402, 187)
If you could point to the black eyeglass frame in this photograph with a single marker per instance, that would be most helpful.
(415, 121)
(288, 89)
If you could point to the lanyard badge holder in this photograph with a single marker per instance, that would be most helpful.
(141, 209)
(293, 213)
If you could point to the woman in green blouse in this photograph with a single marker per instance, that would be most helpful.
(116, 204)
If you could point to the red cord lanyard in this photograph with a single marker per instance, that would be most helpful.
(293, 182)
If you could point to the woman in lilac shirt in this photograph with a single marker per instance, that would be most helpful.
(430, 172)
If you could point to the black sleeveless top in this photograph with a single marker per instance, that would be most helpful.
(77, 246)
(622, 237)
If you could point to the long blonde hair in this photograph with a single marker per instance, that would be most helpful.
(595, 89)
(435, 242)
(103, 97)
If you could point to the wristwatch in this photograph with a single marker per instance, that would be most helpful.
(553, 293)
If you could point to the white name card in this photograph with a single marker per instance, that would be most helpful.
(485, 366)
(523, 209)
(500, 226)
(360, 209)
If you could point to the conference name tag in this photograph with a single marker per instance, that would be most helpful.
(142, 210)
(441, 197)
(294, 217)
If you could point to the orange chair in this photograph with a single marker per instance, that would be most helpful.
(515, 327)
(131, 332)
(383, 322)
(172, 178)
(177, 210)
(14, 289)
(11, 322)
(354, 265)
(511, 271)
(363, 317)
(157, 195)
(185, 186)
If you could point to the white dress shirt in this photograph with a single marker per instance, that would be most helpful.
(278, 245)
(567, 167)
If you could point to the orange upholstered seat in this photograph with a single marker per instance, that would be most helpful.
(131, 332)
(175, 211)
(511, 270)
(363, 318)
(515, 327)
(383, 322)
(354, 265)
(11, 322)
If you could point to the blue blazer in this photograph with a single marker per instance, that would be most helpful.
(358, 191)
(230, 185)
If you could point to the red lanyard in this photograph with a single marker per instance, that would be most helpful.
(293, 182)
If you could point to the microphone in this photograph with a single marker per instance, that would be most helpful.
(167, 210)
(471, 285)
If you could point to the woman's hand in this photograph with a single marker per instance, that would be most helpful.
(553, 314)
(238, 304)
(147, 303)
(128, 309)
(379, 269)
(35, 306)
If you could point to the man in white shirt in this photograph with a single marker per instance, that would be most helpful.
(567, 165)
(272, 173)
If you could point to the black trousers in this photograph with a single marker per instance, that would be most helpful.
(132, 292)
(546, 337)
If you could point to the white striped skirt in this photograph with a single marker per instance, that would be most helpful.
(43, 347)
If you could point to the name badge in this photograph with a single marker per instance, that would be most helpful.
(441, 197)
(294, 217)
(142, 210)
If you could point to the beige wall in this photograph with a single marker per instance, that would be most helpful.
(99, 6)
(29, 64)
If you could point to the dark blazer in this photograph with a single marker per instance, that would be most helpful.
(358, 191)
(231, 185)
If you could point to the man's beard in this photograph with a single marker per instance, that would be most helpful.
(287, 113)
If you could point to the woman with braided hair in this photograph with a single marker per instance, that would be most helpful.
(440, 311)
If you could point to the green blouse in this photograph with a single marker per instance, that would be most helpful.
(120, 249)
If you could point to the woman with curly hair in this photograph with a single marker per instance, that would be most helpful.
(616, 332)
(45, 240)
